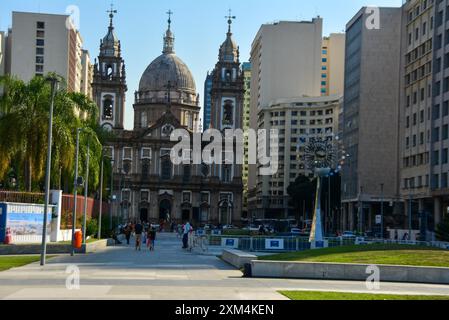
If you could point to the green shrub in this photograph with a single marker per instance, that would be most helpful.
(92, 228)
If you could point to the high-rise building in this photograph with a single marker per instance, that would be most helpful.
(207, 101)
(86, 74)
(43, 43)
(2, 53)
(424, 139)
(286, 63)
(297, 120)
(246, 70)
(371, 117)
(332, 64)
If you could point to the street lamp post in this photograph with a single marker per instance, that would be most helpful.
(112, 194)
(54, 82)
(382, 211)
(75, 192)
(101, 194)
(86, 190)
(410, 216)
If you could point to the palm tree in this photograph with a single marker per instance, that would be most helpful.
(24, 112)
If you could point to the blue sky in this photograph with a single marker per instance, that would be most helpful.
(199, 26)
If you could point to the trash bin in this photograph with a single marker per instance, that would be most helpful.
(78, 239)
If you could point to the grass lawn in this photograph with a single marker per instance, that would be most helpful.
(17, 261)
(91, 240)
(371, 254)
(317, 295)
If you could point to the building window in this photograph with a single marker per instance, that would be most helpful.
(166, 168)
(108, 107)
(145, 196)
(187, 197)
(226, 173)
(40, 51)
(146, 153)
(127, 153)
(40, 25)
(40, 42)
(40, 59)
(39, 68)
(186, 172)
(205, 197)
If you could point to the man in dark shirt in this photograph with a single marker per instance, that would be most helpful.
(138, 229)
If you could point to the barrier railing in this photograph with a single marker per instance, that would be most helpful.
(291, 244)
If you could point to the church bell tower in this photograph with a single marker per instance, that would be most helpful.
(227, 90)
(109, 80)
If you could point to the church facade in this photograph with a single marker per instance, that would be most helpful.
(147, 186)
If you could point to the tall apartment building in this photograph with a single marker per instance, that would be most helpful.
(332, 64)
(371, 117)
(246, 70)
(297, 120)
(87, 74)
(207, 102)
(420, 121)
(2, 53)
(43, 43)
(285, 63)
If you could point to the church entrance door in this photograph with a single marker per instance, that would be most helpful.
(144, 215)
(164, 210)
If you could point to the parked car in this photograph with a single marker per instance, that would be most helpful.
(252, 228)
(348, 235)
(229, 227)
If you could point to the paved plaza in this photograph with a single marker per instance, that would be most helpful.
(169, 273)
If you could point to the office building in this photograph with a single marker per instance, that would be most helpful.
(370, 118)
(332, 64)
(43, 43)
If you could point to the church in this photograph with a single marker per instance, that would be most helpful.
(146, 185)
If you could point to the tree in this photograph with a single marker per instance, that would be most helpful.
(24, 112)
(442, 230)
(302, 193)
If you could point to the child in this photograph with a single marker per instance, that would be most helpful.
(151, 238)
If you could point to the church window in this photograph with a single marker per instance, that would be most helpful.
(108, 108)
(145, 196)
(187, 197)
(146, 153)
(144, 120)
(145, 168)
(127, 153)
(186, 172)
(205, 169)
(226, 173)
(109, 72)
(166, 168)
(228, 112)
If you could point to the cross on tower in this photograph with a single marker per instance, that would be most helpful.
(169, 17)
(111, 12)
(230, 17)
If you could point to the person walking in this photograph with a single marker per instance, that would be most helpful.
(128, 230)
(185, 235)
(138, 229)
(151, 238)
(191, 238)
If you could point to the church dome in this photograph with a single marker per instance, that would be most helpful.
(167, 68)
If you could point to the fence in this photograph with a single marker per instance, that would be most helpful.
(93, 205)
(293, 244)
(21, 197)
